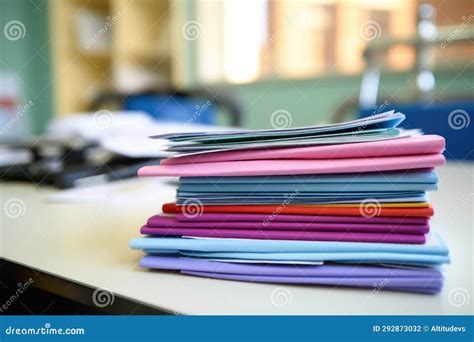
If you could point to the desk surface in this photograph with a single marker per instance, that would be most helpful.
(88, 244)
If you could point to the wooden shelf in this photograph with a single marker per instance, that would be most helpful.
(140, 36)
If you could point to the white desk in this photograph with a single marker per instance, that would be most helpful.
(88, 244)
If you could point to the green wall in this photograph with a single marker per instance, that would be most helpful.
(312, 101)
(29, 57)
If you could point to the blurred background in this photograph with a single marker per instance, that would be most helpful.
(83, 83)
(233, 63)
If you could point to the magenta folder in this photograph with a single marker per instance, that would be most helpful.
(423, 144)
(211, 217)
(287, 235)
(168, 222)
(291, 167)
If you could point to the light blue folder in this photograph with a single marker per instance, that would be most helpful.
(423, 176)
(433, 252)
(303, 188)
(357, 258)
(303, 198)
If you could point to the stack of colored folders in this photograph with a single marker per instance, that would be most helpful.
(340, 205)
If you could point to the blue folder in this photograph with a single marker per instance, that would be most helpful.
(304, 198)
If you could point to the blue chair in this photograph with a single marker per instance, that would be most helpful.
(452, 120)
(196, 106)
(173, 108)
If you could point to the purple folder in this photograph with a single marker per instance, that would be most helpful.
(266, 234)
(207, 217)
(423, 280)
(161, 221)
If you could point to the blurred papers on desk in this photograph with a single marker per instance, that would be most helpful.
(122, 132)
(123, 192)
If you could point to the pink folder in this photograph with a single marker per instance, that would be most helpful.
(423, 144)
(293, 167)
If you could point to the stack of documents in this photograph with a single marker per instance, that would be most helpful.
(342, 205)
